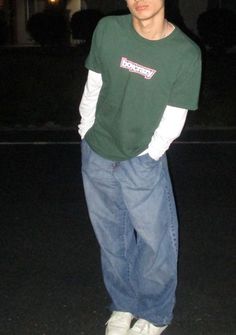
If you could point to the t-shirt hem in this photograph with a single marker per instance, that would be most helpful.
(188, 107)
(113, 158)
(92, 68)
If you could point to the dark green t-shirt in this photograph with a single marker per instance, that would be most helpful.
(140, 78)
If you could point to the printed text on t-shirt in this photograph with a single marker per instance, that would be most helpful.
(131, 66)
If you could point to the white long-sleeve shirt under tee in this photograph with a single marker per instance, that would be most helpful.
(169, 128)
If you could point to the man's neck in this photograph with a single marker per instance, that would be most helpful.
(151, 29)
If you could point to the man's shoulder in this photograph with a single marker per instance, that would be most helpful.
(186, 44)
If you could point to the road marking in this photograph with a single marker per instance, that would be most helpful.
(39, 143)
(205, 142)
(77, 143)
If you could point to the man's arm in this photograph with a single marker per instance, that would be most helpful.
(88, 102)
(169, 129)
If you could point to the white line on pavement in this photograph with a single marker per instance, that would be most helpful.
(77, 143)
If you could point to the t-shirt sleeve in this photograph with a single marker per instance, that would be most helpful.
(185, 91)
(93, 61)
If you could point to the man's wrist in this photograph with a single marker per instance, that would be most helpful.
(155, 156)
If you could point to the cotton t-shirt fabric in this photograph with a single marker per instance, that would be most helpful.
(140, 78)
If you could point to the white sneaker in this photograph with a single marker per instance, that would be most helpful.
(119, 323)
(143, 327)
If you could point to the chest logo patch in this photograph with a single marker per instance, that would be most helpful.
(131, 66)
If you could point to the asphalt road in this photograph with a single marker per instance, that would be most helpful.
(50, 274)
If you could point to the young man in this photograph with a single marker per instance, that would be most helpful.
(144, 74)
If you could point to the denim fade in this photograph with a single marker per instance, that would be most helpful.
(132, 210)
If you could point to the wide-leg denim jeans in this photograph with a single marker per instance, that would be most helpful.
(132, 210)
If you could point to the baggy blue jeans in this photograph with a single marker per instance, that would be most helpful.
(132, 210)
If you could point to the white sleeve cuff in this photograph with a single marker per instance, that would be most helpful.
(169, 129)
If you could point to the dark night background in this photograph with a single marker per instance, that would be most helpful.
(50, 277)
(41, 84)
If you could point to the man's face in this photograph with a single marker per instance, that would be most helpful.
(146, 9)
